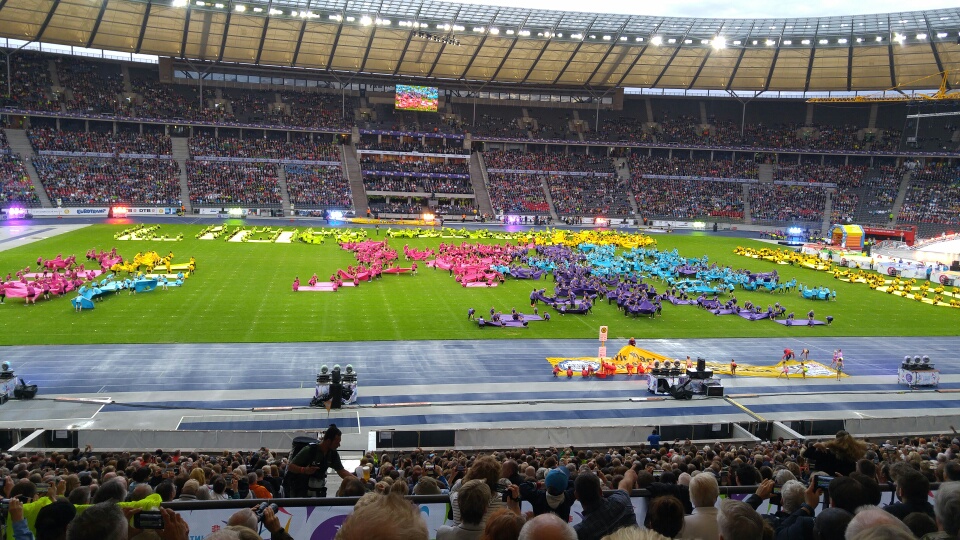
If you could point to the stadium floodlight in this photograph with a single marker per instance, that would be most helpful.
(240, 9)
(607, 38)
(805, 42)
(274, 11)
(593, 36)
(921, 36)
(656, 40)
(495, 31)
(623, 38)
(201, 3)
(859, 40)
(218, 5)
(788, 42)
(686, 41)
(769, 43)
(842, 41)
(366, 20)
(524, 33)
(755, 42)
(351, 19)
(719, 42)
(737, 42)
(671, 41)
(899, 38)
(560, 34)
(458, 28)
(576, 36)
(510, 32)
(704, 41)
(879, 38)
(479, 29)
(941, 35)
(257, 10)
(639, 39)
(824, 41)
(180, 3)
(336, 215)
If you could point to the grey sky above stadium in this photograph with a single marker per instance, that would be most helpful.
(726, 8)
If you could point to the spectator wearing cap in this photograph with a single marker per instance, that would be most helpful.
(912, 488)
(702, 523)
(556, 497)
(604, 515)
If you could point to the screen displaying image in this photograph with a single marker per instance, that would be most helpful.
(417, 98)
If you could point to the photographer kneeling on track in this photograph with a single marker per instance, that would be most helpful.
(307, 472)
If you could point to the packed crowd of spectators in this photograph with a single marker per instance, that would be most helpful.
(29, 82)
(15, 184)
(621, 129)
(95, 87)
(453, 146)
(392, 183)
(100, 181)
(844, 207)
(845, 176)
(881, 191)
(317, 186)
(933, 196)
(447, 185)
(298, 148)
(458, 207)
(174, 101)
(217, 183)
(717, 132)
(536, 161)
(397, 205)
(372, 164)
(773, 202)
(105, 143)
(688, 198)
(876, 490)
(589, 195)
(640, 164)
(517, 193)
(314, 109)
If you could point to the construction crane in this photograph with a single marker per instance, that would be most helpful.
(941, 95)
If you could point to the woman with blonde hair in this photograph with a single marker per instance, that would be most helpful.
(837, 457)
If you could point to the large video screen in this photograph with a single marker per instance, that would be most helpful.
(417, 98)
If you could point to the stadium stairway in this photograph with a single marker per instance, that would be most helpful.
(546, 193)
(284, 193)
(825, 221)
(479, 182)
(765, 173)
(747, 218)
(901, 196)
(181, 153)
(20, 144)
(351, 171)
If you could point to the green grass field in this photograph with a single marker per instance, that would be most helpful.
(241, 292)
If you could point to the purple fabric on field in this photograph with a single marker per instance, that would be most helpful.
(723, 311)
(753, 315)
(711, 304)
(798, 322)
(678, 302)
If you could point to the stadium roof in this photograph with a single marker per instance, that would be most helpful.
(480, 45)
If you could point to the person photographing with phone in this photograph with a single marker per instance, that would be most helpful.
(308, 469)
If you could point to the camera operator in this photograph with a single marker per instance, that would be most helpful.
(308, 469)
